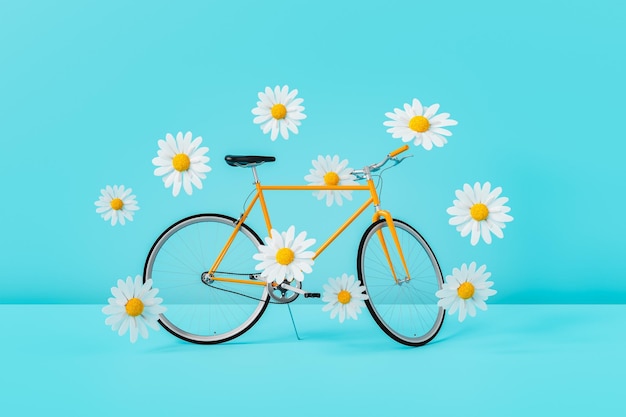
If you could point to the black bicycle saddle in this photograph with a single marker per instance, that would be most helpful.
(247, 161)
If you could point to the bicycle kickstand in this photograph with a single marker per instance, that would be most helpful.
(306, 295)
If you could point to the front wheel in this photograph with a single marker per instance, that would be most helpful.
(200, 310)
(405, 307)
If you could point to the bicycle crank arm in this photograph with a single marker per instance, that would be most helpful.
(300, 291)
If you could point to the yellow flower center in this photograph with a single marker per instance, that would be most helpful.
(116, 204)
(479, 212)
(465, 290)
(419, 124)
(181, 162)
(331, 178)
(284, 256)
(279, 111)
(134, 307)
(344, 297)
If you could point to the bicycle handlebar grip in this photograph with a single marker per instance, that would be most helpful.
(398, 151)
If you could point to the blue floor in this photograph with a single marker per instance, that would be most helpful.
(513, 360)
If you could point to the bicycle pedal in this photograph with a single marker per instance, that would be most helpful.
(312, 295)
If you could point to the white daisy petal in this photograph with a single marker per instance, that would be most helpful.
(455, 306)
(177, 183)
(485, 233)
(267, 126)
(275, 129)
(465, 200)
(439, 131)
(462, 310)
(475, 233)
(471, 308)
(430, 112)
(494, 228)
(187, 183)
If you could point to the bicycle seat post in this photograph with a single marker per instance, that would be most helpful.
(256, 177)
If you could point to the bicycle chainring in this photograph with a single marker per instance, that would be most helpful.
(282, 295)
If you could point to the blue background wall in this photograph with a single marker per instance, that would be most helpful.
(87, 88)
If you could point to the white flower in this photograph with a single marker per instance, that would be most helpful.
(329, 171)
(116, 204)
(466, 289)
(182, 162)
(480, 211)
(133, 306)
(420, 124)
(279, 111)
(344, 296)
(285, 258)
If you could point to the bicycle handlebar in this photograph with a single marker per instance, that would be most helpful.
(391, 156)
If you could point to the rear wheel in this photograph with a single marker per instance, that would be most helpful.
(406, 309)
(206, 311)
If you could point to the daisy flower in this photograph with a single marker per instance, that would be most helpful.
(279, 111)
(479, 210)
(285, 258)
(133, 306)
(344, 296)
(182, 162)
(466, 289)
(420, 124)
(329, 171)
(116, 204)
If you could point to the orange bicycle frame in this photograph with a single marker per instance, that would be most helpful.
(373, 199)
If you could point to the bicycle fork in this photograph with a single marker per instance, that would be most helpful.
(392, 230)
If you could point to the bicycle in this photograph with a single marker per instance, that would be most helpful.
(204, 269)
